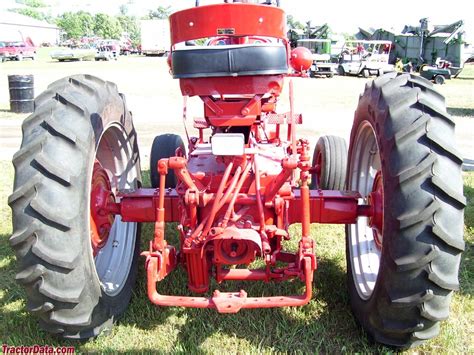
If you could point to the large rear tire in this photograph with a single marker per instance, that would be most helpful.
(79, 123)
(403, 265)
(163, 147)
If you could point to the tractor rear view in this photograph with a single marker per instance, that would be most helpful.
(233, 190)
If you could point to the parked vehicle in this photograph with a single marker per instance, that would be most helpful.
(17, 50)
(74, 53)
(155, 37)
(365, 58)
(112, 45)
(321, 52)
(105, 53)
(446, 64)
(435, 74)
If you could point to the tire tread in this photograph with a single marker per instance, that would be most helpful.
(417, 141)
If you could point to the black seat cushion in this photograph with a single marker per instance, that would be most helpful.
(229, 60)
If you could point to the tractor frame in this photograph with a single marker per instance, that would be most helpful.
(213, 231)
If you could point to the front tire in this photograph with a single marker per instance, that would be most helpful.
(402, 269)
(79, 123)
(163, 147)
(330, 155)
(439, 79)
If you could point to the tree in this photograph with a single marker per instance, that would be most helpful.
(77, 25)
(71, 24)
(32, 9)
(293, 30)
(31, 3)
(86, 22)
(161, 12)
(130, 25)
(294, 24)
(106, 26)
(26, 11)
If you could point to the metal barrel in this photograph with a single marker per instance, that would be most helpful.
(22, 93)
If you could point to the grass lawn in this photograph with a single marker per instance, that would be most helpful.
(325, 325)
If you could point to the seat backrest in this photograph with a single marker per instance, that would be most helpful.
(229, 60)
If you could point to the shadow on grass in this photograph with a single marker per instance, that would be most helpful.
(466, 270)
(465, 78)
(460, 111)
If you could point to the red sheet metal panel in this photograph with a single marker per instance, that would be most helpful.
(227, 19)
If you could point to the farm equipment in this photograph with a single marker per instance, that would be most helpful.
(232, 194)
(440, 72)
(365, 58)
(438, 75)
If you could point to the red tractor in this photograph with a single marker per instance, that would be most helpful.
(232, 194)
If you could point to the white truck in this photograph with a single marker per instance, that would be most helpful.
(155, 37)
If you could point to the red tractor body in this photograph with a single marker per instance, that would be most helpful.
(237, 193)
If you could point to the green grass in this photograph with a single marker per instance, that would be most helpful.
(324, 325)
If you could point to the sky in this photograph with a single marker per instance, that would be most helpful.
(341, 15)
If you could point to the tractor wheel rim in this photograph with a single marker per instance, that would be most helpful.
(365, 236)
(375, 200)
(114, 256)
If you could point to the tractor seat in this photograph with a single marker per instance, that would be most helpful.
(229, 60)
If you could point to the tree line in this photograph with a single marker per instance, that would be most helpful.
(84, 24)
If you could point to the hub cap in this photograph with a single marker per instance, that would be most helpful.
(101, 218)
(319, 164)
(366, 236)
